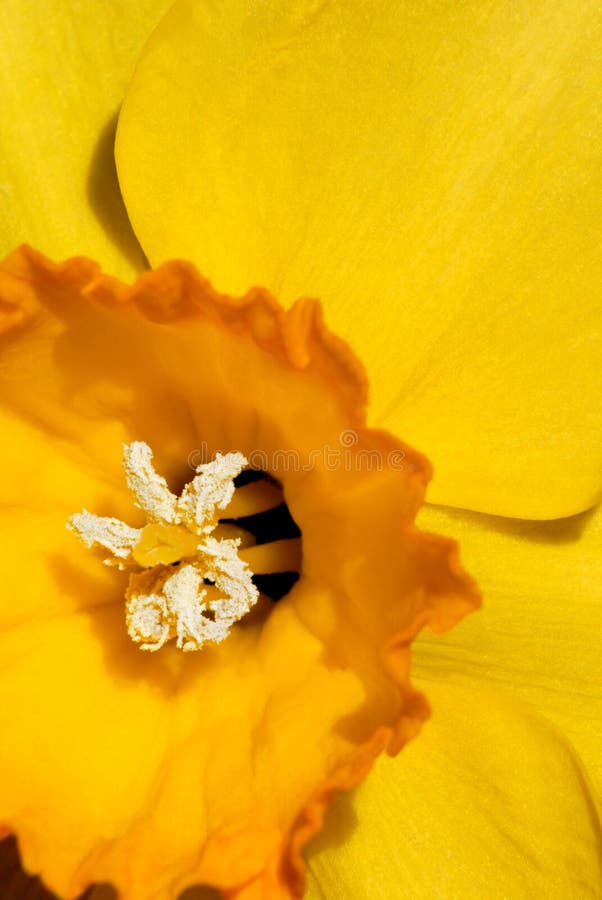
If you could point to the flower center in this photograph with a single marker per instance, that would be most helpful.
(194, 566)
(163, 545)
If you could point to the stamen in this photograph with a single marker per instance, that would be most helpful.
(193, 585)
(150, 489)
(231, 532)
(110, 534)
(277, 556)
(209, 492)
(253, 498)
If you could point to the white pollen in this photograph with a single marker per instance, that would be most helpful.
(210, 491)
(195, 601)
(150, 490)
(110, 534)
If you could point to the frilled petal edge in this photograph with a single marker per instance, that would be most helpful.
(198, 769)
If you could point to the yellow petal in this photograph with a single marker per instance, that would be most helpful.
(490, 803)
(538, 636)
(432, 172)
(64, 68)
(119, 766)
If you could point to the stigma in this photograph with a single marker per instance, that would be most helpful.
(187, 580)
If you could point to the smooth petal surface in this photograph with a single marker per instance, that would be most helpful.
(432, 172)
(64, 68)
(539, 634)
(491, 803)
(158, 771)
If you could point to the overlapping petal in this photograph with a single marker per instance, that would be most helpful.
(491, 802)
(538, 636)
(64, 68)
(119, 766)
(432, 172)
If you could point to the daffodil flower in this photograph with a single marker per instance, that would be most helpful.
(220, 724)
(429, 173)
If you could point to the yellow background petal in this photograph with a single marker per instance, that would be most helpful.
(488, 803)
(538, 635)
(64, 68)
(432, 171)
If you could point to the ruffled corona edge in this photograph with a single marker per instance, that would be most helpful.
(442, 593)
